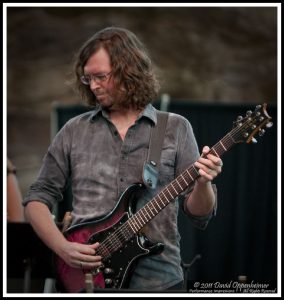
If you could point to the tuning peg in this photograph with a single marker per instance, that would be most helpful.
(258, 107)
(270, 124)
(249, 113)
(254, 140)
(261, 132)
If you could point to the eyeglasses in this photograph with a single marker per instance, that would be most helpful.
(86, 79)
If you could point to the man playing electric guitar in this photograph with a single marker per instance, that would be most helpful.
(103, 152)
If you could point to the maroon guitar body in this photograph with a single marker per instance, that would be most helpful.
(119, 233)
(117, 265)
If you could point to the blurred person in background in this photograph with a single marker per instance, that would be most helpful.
(15, 210)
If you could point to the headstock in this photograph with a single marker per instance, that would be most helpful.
(245, 128)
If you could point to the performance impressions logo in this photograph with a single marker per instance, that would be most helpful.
(231, 287)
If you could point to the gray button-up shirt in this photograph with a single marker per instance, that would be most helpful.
(89, 150)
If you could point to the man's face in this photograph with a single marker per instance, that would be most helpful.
(98, 69)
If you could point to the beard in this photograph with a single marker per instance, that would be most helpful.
(112, 102)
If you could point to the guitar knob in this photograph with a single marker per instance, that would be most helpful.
(108, 281)
(108, 271)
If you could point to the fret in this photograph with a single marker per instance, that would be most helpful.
(231, 140)
(155, 202)
(164, 195)
(215, 152)
(129, 223)
(195, 170)
(140, 225)
(133, 222)
(161, 199)
(149, 209)
(189, 175)
(147, 212)
(168, 190)
(144, 216)
(219, 148)
(174, 189)
(154, 207)
(183, 179)
(158, 205)
(223, 146)
(179, 185)
(140, 220)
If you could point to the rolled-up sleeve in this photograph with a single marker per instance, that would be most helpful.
(187, 154)
(53, 175)
(200, 222)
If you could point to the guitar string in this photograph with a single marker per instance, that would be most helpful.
(122, 233)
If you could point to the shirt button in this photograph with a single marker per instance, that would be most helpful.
(121, 179)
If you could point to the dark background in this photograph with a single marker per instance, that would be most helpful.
(242, 238)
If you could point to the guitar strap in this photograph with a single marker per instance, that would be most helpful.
(152, 164)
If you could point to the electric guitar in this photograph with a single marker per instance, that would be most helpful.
(119, 233)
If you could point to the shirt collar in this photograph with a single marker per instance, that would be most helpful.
(97, 110)
(149, 112)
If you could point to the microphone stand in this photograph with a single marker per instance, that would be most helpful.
(186, 269)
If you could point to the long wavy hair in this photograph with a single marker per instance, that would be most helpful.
(132, 69)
